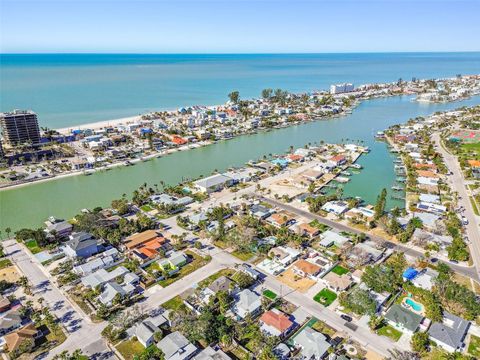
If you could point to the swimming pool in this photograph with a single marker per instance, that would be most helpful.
(414, 305)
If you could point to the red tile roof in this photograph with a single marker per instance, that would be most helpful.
(278, 320)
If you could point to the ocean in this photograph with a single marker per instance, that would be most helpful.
(73, 89)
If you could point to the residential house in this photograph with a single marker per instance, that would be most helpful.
(103, 260)
(337, 283)
(338, 160)
(425, 279)
(24, 337)
(305, 268)
(4, 304)
(475, 166)
(260, 211)
(59, 228)
(329, 238)
(276, 323)
(403, 319)
(306, 229)
(450, 333)
(284, 255)
(335, 207)
(175, 346)
(211, 354)
(422, 238)
(173, 262)
(212, 183)
(223, 283)
(281, 219)
(145, 332)
(10, 321)
(246, 302)
(111, 290)
(82, 245)
(312, 344)
(102, 276)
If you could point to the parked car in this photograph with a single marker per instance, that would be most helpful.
(346, 317)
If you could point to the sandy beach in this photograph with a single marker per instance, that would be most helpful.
(101, 124)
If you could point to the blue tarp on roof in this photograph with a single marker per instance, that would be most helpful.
(410, 274)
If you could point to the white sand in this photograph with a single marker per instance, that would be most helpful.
(101, 124)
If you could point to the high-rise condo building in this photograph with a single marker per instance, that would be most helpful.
(20, 127)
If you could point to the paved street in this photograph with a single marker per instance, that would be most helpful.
(457, 183)
(81, 332)
(468, 271)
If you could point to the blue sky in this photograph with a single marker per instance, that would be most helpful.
(236, 26)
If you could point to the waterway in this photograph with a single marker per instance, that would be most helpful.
(29, 206)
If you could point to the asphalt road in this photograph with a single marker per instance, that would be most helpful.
(468, 271)
(457, 182)
(80, 331)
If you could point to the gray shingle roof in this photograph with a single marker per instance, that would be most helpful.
(451, 332)
(406, 318)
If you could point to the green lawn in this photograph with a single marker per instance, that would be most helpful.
(474, 346)
(270, 294)
(173, 304)
(243, 255)
(474, 147)
(5, 263)
(325, 297)
(146, 208)
(33, 246)
(129, 349)
(320, 326)
(340, 270)
(196, 263)
(390, 332)
(317, 224)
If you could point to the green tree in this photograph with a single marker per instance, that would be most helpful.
(380, 204)
(420, 342)
(234, 96)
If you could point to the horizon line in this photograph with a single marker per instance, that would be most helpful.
(240, 53)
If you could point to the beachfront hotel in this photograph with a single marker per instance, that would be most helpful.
(19, 127)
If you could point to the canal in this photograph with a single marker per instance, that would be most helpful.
(29, 206)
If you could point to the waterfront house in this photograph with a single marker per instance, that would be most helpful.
(175, 346)
(59, 228)
(312, 344)
(429, 198)
(312, 174)
(338, 160)
(276, 323)
(212, 183)
(335, 207)
(246, 302)
(403, 319)
(82, 245)
(450, 333)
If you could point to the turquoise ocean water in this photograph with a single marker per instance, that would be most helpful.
(70, 89)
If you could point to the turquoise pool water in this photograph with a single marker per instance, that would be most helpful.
(414, 305)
